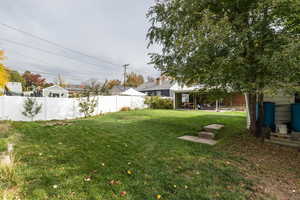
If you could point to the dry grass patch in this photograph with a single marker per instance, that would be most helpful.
(275, 169)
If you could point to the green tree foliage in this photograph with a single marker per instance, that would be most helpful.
(134, 80)
(15, 76)
(31, 108)
(87, 105)
(247, 45)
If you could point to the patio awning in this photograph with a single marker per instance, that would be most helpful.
(183, 88)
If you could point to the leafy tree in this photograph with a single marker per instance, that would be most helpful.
(31, 108)
(246, 45)
(95, 87)
(15, 76)
(87, 105)
(60, 81)
(112, 83)
(33, 80)
(134, 80)
(4, 75)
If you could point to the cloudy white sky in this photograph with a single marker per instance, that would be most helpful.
(112, 31)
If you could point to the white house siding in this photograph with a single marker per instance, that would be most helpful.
(283, 103)
(55, 90)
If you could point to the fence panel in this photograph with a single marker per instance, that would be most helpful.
(11, 107)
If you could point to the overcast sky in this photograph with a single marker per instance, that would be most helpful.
(112, 31)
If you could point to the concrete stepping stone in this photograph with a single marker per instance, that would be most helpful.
(198, 140)
(213, 127)
(206, 135)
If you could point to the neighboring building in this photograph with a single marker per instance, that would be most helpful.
(28, 93)
(160, 87)
(185, 97)
(75, 90)
(55, 91)
(13, 89)
(117, 90)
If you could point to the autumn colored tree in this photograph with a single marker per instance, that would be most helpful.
(112, 83)
(33, 80)
(134, 80)
(4, 75)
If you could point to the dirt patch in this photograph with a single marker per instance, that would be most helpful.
(4, 127)
(58, 123)
(274, 169)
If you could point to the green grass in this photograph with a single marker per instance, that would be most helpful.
(3, 144)
(55, 161)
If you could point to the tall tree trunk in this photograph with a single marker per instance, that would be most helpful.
(252, 112)
(260, 120)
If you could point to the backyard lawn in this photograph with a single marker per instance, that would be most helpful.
(134, 156)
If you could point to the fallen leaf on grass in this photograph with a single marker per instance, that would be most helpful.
(123, 193)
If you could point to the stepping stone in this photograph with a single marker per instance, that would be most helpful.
(198, 140)
(213, 127)
(206, 135)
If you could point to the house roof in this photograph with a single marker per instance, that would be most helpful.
(132, 92)
(150, 86)
(119, 88)
(56, 88)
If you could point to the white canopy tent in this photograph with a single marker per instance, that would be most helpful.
(132, 92)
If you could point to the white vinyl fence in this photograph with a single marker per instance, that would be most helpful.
(11, 107)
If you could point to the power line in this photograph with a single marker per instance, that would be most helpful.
(38, 60)
(56, 44)
(42, 63)
(45, 51)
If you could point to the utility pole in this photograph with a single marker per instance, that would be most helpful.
(125, 71)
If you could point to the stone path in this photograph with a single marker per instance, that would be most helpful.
(198, 140)
(205, 137)
(213, 127)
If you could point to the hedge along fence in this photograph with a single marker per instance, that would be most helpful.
(11, 107)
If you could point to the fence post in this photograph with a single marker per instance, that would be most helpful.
(45, 108)
(73, 100)
(2, 107)
(116, 103)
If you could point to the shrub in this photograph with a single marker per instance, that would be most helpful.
(87, 106)
(31, 108)
(125, 109)
(159, 103)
